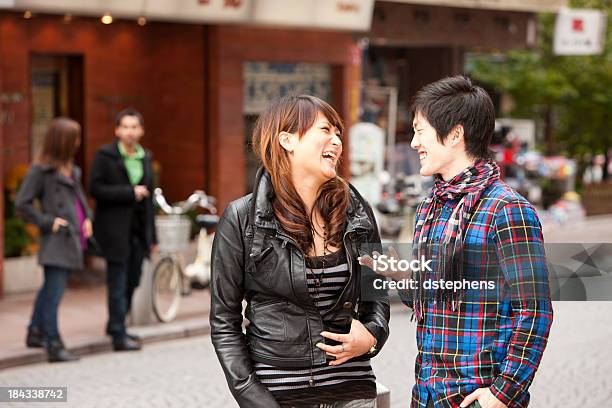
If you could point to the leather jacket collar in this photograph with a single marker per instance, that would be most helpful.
(262, 212)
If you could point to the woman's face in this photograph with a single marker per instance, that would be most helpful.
(317, 152)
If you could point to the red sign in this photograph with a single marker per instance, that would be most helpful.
(578, 25)
(232, 3)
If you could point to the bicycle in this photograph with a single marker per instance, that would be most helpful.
(170, 279)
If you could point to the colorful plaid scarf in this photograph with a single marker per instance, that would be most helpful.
(467, 187)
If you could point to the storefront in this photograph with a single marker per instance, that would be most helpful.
(267, 63)
(199, 73)
(415, 42)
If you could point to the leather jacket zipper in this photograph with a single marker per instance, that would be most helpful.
(286, 239)
(350, 265)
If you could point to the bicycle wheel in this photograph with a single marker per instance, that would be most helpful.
(166, 289)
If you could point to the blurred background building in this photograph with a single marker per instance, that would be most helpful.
(202, 70)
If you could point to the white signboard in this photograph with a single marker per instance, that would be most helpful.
(366, 156)
(121, 8)
(329, 14)
(334, 14)
(182, 10)
(343, 14)
(579, 32)
(199, 10)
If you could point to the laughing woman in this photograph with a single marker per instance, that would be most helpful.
(290, 250)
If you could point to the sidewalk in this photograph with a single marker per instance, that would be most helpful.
(82, 318)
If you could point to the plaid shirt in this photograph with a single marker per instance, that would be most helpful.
(493, 339)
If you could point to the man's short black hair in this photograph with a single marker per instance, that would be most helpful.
(456, 101)
(128, 112)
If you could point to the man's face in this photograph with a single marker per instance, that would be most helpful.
(435, 157)
(129, 130)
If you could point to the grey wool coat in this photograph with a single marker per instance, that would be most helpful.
(56, 195)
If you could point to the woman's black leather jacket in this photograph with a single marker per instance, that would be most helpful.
(254, 260)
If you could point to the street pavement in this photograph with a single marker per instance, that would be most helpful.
(185, 373)
(575, 370)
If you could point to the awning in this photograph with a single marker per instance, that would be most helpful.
(536, 6)
(351, 15)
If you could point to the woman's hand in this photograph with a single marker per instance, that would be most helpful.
(58, 223)
(87, 228)
(356, 343)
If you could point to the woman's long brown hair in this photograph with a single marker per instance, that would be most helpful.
(61, 142)
(297, 114)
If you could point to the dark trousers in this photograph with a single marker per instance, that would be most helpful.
(122, 279)
(44, 315)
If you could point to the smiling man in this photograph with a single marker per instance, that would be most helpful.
(475, 347)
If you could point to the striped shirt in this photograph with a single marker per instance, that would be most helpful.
(326, 277)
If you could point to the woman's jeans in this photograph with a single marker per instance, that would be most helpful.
(47, 302)
(361, 403)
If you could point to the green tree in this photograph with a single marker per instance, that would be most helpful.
(569, 96)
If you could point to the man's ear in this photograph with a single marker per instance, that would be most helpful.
(455, 136)
(287, 141)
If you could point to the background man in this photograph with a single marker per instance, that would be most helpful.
(121, 182)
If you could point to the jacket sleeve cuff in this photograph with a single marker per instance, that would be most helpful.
(379, 335)
(46, 224)
(505, 390)
(255, 395)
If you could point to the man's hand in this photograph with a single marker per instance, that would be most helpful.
(485, 397)
(356, 343)
(87, 228)
(140, 192)
(58, 223)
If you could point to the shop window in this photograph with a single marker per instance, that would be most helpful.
(265, 82)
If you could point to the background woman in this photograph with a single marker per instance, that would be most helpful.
(64, 220)
(290, 249)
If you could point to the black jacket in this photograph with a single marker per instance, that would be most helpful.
(284, 323)
(116, 204)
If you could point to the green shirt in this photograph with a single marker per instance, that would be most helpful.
(133, 163)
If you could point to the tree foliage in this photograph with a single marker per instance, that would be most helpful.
(570, 96)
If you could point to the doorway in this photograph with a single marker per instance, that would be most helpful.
(57, 90)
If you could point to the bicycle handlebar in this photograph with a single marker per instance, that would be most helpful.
(197, 199)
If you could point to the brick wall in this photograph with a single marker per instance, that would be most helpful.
(228, 48)
(158, 69)
(185, 79)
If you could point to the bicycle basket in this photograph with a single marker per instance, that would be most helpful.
(172, 232)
